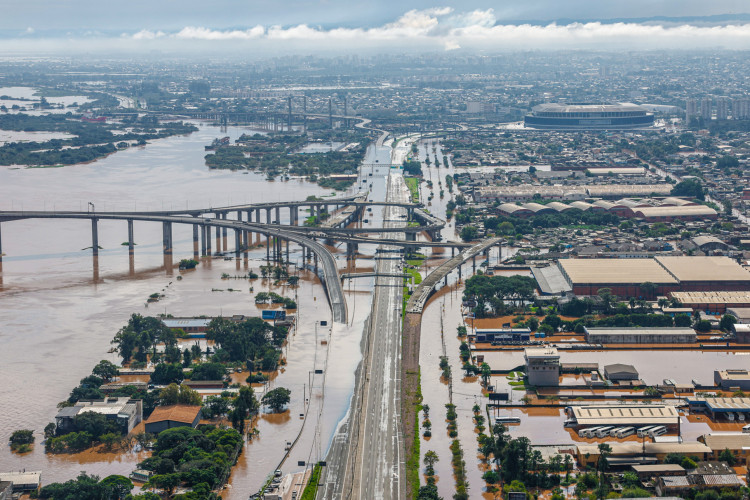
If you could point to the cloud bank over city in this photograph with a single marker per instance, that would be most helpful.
(436, 28)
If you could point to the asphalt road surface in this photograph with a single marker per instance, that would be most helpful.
(366, 459)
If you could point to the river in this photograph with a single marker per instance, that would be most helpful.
(58, 315)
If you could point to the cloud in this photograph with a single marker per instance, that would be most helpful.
(194, 33)
(147, 35)
(442, 27)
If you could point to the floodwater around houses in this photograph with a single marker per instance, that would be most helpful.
(58, 316)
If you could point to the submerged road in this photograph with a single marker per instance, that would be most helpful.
(366, 459)
(380, 471)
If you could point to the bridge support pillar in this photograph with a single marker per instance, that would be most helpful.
(203, 241)
(474, 264)
(245, 245)
(94, 237)
(218, 236)
(249, 215)
(453, 251)
(131, 242)
(268, 216)
(287, 251)
(278, 215)
(239, 215)
(208, 240)
(268, 249)
(257, 215)
(196, 244)
(224, 243)
(237, 243)
(167, 236)
(315, 260)
(459, 273)
(410, 236)
(293, 215)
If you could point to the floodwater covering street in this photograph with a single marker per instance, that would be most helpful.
(59, 311)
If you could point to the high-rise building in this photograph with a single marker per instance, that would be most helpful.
(706, 108)
(741, 109)
(691, 109)
(722, 108)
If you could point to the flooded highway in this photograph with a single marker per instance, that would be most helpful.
(59, 311)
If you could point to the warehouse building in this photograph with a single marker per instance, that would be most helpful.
(720, 408)
(732, 379)
(619, 371)
(622, 276)
(697, 274)
(617, 335)
(502, 335)
(634, 453)
(668, 274)
(717, 302)
(737, 442)
(621, 415)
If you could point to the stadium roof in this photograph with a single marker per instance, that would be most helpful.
(615, 271)
(553, 107)
(703, 268)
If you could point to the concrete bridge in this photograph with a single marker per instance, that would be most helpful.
(202, 242)
(425, 289)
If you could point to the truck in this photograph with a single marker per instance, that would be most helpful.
(274, 314)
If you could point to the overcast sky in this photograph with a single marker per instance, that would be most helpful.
(28, 25)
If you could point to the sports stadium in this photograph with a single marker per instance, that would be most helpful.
(588, 117)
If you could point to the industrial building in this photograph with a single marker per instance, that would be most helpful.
(619, 371)
(720, 408)
(732, 379)
(621, 415)
(737, 442)
(617, 335)
(717, 302)
(634, 453)
(542, 366)
(668, 274)
(622, 276)
(615, 116)
(194, 327)
(502, 335)
(22, 481)
(125, 411)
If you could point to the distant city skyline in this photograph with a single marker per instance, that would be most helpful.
(337, 25)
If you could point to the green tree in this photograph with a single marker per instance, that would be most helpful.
(276, 399)
(486, 373)
(167, 373)
(727, 322)
(728, 457)
(117, 487)
(209, 371)
(469, 233)
(179, 395)
(105, 370)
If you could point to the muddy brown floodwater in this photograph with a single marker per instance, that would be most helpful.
(57, 315)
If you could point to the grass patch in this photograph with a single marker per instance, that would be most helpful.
(415, 275)
(311, 490)
(413, 184)
(412, 463)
